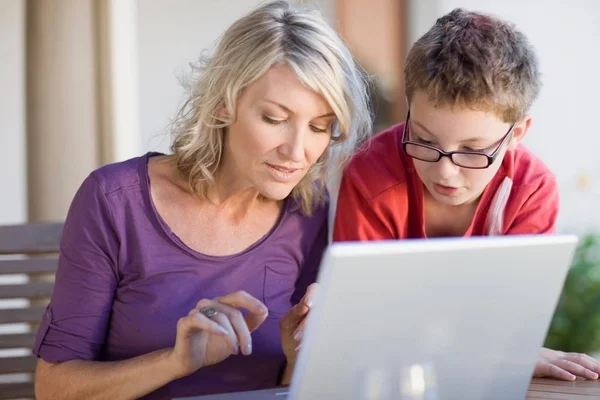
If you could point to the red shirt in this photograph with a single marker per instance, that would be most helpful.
(381, 195)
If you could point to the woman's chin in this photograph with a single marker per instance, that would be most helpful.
(276, 191)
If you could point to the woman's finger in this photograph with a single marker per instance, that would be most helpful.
(196, 321)
(258, 311)
(299, 332)
(236, 321)
(310, 297)
(302, 308)
(232, 320)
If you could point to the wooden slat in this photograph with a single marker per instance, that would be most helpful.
(14, 341)
(29, 266)
(21, 390)
(31, 314)
(13, 365)
(30, 238)
(31, 289)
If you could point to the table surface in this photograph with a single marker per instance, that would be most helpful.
(539, 389)
(550, 389)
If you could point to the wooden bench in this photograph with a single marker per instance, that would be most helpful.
(28, 261)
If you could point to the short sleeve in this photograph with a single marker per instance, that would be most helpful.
(539, 212)
(310, 268)
(75, 323)
(356, 219)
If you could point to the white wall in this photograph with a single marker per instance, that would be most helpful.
(565, 132)
(13, 196)
(171, 34)
(326, 7)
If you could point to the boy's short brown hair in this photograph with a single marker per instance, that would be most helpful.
(475, 60)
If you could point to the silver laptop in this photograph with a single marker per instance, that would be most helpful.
(437, 319)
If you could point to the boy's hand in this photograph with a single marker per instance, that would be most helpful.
(565, 366)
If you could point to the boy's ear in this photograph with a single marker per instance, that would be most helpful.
(519, 132)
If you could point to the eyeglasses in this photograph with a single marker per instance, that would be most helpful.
(464, 159)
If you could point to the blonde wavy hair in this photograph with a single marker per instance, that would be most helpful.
(278, 32)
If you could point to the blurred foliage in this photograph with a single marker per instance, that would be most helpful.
(575, 326)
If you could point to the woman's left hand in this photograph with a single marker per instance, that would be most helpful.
(293, 323)
(566, 366)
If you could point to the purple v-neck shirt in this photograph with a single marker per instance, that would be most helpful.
(124, 279)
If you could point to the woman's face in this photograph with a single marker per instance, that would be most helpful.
(281, 129)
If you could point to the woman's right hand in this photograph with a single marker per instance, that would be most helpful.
(203, 341)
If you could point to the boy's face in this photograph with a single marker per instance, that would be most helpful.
(459, 129)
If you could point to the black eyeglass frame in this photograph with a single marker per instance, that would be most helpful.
(441, 153)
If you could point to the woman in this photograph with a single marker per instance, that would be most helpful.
(176, 271)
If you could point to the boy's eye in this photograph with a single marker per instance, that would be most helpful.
(423, 141)
(475, 150)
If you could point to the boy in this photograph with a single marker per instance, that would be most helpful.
(455, 167)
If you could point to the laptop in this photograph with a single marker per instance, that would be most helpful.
(436, 319)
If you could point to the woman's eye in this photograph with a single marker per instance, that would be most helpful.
(317, 129)
(272, 121)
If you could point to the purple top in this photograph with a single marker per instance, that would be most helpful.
(124, 279)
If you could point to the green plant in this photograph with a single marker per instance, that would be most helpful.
(576, 323)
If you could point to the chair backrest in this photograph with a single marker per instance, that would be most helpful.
(28, 262)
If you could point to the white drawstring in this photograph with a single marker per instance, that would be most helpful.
(495, 217)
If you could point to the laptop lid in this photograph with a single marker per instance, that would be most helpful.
(431, 319)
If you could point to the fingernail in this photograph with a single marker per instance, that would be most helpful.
(298, 347)
(249, 349)
(236, 349)
(262, 309)
(308, 302)
(298, 335)
(594, 376)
